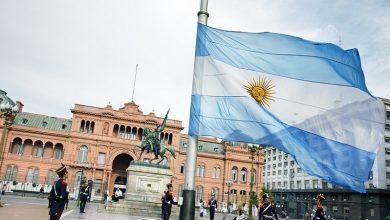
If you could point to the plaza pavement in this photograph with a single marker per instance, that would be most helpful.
(33, 208)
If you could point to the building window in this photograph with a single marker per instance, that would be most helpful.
(97, 185)
(387, 150)
(279, 172)
(285, 172)
(58, 152)
(215, 191)
(387, 139)
(388, 175)
(39, 150)
(234, 174)
(346, 209)
(387, 127)
(199, 193)
(24, 120)
(11, 173)
(292, 163)
(44, 124)
(243, 175)
(291, 184)
(388, 163)
(83, 154)
(307, 184)
(32, 175)
(334, 209)
(200, 170)
(299, 170)
(182, 168)
(372, 212)
(216, 172)
(51, 177)
(315, 184)
(63, 126)
(101, 159)
(299, 184)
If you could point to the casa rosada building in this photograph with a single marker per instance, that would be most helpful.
(98, 144)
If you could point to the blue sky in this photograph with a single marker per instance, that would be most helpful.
(54, 54)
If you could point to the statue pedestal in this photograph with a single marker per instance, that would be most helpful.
(146, 182)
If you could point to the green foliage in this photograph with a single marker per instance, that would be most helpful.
(387, 217)
(266, 190)
(254, 199)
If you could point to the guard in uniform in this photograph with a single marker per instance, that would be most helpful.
(320, 214)
(267, 210)
(84, 195)
(167, 203)
(59, 194)
(212, 206)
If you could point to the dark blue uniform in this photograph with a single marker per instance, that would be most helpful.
(84, 194)
(267, 212)
(167, 205)
(212, 208)
(59, 195)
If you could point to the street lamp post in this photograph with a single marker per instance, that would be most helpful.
(252, 150)
(229, 183)
(9, 114)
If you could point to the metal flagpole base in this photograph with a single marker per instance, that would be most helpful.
(187, 210)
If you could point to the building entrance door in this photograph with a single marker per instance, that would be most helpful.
(119, 174)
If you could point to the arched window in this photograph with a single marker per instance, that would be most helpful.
(182, 168)
(18, 147)
(140, 133)
(87, 126)
(216, 172)
(200, 170)
(170, 139)
(38, 149)
(51, 177)
(243, 175)
(134, 134)
(128, 132)
(92, 127)
(234, 173)
(82, 126)
(58, 152)
(215, 191)
(32, 175)
(199, 193)
(11, 173)
(83, 153)
(122, 132)
(115, 130)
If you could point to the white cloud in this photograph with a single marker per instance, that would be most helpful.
(54, 54)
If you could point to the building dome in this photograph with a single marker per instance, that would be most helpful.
(4, 99)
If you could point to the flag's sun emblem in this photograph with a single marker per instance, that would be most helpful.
(262, 90)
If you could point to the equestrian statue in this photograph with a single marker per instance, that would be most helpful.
(152, 143)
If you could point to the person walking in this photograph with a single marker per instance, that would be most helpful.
(212, 207)
(41, 190)
(168, 201)
(59, 194)
(320, 214)
(84, 195)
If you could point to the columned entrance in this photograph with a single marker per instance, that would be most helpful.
(119, 174)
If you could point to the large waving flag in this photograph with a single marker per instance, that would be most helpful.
(307, 99)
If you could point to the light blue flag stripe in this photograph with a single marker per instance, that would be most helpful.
(282, 55)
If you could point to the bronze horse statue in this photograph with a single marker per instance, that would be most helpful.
(152, 142)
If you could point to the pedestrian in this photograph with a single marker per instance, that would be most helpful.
(3, 189)
(41, 190)
(212, 206)
(267, 210)
(168, 201)
(320, 214)
(224, 211)
(59, 194)
(201, 208)
(84, 195)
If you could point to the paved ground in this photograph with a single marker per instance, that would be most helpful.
(17, 207)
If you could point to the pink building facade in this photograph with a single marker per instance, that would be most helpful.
(98, 144)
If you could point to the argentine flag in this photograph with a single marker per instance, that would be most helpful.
(305, 98)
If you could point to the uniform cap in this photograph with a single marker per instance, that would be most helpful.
(62, 170)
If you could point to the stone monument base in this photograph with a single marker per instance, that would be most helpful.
(146, 182)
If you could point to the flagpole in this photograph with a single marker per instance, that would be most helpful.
(187, 210)
(135, 79)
